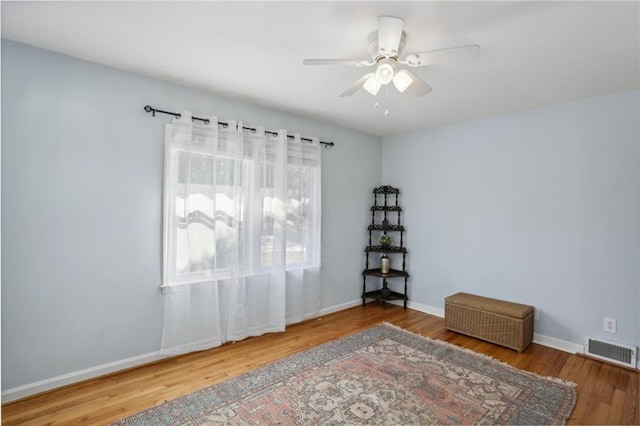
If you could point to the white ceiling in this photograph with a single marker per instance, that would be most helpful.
(532, 53)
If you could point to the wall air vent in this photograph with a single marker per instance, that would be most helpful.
(607, 350)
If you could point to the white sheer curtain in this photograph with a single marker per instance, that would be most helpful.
(303, 221)
(241, 233)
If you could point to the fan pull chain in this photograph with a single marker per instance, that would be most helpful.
(386, 99)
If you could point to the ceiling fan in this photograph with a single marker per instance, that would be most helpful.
(385, 47)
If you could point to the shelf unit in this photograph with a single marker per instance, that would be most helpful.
(383, 211)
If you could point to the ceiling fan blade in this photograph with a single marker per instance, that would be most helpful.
(418, 87)
(450, 55)
(357, 85)
(349, 62)
(389, 35)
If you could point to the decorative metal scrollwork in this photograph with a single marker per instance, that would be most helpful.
(387, 208)
(385, 249)
(387, 227)
(386, 189)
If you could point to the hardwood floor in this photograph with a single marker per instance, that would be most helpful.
(607, 394)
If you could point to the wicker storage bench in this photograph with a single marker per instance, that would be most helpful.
(504, 323)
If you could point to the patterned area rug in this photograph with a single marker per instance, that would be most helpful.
(383, 375)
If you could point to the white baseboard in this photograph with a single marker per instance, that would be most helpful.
(77, 376)
(112, 367)
(89, 373)
(340, 307)
(438, 312)
(554, 343)
(420, 307)
(540, 339)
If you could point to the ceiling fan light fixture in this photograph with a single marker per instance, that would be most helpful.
(385, 47)
(372, 85)
(402, 80)
(385, 71)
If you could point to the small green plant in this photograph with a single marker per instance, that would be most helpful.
(385, 240)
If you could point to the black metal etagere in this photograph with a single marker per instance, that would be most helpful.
(382, 210)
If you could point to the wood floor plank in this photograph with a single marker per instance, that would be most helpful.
(630, 412)
(587, 397)
(606, 394)
(615, 410)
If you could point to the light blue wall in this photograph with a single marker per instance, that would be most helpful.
(82, 202)
(540, 207)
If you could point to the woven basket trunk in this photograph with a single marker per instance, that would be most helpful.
(504, 323)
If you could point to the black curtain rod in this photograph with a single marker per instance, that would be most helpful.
(153, 111)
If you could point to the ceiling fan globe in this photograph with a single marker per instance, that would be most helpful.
(385, 71)
(372, 85)
(402, 80)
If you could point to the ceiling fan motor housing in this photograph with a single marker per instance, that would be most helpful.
(374, 49)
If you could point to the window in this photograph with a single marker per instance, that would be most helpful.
(239, 203)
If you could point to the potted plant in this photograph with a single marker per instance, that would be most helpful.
(385, 240)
